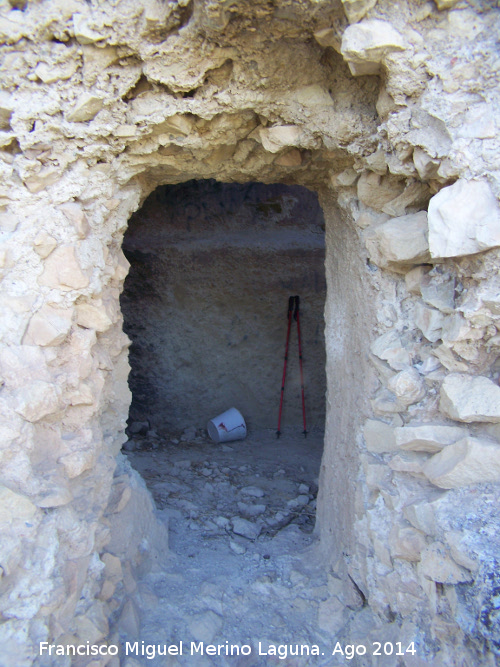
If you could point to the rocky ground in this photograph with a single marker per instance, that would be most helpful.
(243, 567)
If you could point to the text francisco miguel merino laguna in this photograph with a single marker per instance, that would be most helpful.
(182, 648)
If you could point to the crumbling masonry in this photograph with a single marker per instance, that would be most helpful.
(387, 111)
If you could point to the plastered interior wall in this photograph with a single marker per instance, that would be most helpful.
(387, 109)
(206, 300)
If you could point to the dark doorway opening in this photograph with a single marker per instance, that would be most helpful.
(205, 302)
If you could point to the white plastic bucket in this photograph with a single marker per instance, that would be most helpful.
(230, 425)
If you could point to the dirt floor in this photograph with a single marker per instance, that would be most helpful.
(243, 567)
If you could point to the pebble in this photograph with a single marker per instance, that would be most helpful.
(185, 463)
(222, 522)
(303, 488)
(251, 510)
(137, 427)
(299, 501)
(245, 528)
(238, 549)
(254, 491)
(189, 432)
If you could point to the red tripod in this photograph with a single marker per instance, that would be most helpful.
(296, 317)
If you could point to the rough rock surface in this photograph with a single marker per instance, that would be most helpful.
(470, 399)
(468, 461)
(101, 103)
(464, 218)
(427, 438)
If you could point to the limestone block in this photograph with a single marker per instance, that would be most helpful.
(456, 328)
(390, 348)
(386, 402)
(84, 34)
(48, 326)
(427, 438)
(328, 37)
(379, 436)
(447, 358)
(44, 244)
(277, 137)
(408, 386)
(344, 178)
(356, 9)
(421, 515)
(97, 314)
(385, 103)
(370, 217)
(122, 267)
(364, 45)
(464, 218)
(460, 553)
(15, 507)
(176, 125)
(62, 270)
(415, 195)
(36, 400)
(107, 591)
(437, 565)
(377, 163)
(430, 133)
(82, 395)
(414, 277)
(377, 475)
(406, 544)
(77, 217)
(490, 297)
(430, 365)
(411, 462)
(468, 461)
(112, 568)
(86, 108)
(75, 463)
(47, 176)
(93, 626)
(399, 242)
(50, 72)
(426, 166)
(429, 321)
(441, 295)
(470, 399)
(375, 190)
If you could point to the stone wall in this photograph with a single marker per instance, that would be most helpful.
(386, 109)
